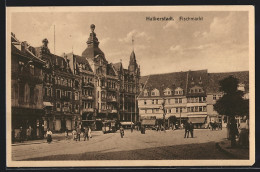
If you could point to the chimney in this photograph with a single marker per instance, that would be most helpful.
(24, 46)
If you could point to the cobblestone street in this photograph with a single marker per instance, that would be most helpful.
(134, 146)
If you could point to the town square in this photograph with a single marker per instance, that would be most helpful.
(82, 88)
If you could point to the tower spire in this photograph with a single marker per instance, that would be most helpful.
(133, 42)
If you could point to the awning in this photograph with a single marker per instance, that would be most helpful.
(126, 123)
(148, 122)
(197, 120)
(47, 104)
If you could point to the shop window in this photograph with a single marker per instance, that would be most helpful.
(32, 69)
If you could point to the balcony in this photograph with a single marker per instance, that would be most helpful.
(88, 110)
(111, 99)
(87, 97)
(88, 85)
(114, 111)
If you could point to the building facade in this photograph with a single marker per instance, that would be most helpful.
(26, 95)
(74, 90)
(187, 95)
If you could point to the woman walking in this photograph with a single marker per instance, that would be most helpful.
(49, 138)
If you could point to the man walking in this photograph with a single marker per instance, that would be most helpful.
(187, 129)
(122, 132)
(86, 130)
(191, 129)
(78, 133)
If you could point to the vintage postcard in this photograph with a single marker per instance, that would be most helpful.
(130, 86)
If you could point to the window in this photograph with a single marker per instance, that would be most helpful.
(214, 97)
(145, 93)
(156, 101)
(188, 109)
(169, 101)
(157, 110)
(191, 91)
(69, 94)
(31, 94)
(177, 110)
(204, 108)
(58, 107)
(145, 102)
(200, 108)
(170, 111)
(180, 100)
(152, 101)
(199, 90)
(196, 90)
(46, 91)
(76, 96)
(58, 93)
(32, 69)
(196, 108)
(21, 66)
(153, 93)
(180, 110)
(176, 100)
(192, 109)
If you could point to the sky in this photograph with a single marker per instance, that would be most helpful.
(219, 43)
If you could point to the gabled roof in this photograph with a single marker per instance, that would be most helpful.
(117, 66)
(214, 78)
(110, 70)
(163, 81)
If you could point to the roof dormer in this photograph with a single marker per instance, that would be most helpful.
(155, 92)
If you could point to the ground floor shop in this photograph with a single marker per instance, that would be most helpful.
(61, 122)
(27, 124)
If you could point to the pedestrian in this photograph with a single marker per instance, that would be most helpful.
(89, 132)
(191, 129)
(49, 133)
(122, 132)
(21, 134)
(78, 133)
(66, 133)
(86, 133)
(28, 133)
(74, 134)
(187, 128)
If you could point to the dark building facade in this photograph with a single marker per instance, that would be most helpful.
(77, 90)
(61, 91)
(26, 95)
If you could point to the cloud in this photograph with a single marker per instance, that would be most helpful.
(104, 40)
(135, 34)
(176, 49)
(171, 24)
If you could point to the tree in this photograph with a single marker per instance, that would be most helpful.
(231, 104)
(173, 119)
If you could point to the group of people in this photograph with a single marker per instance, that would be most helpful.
(76, 133)
(24, 134)
(188, 129)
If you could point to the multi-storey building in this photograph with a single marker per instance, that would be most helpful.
(188, 96)
(85, 88)
(80, 66)
(128, 90)
(26, 85)
(61, 91)
(105, 81)
(213, 93)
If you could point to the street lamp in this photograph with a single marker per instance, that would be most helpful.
(163, 108)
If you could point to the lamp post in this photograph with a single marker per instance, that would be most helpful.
(180, 117)
(163, 108)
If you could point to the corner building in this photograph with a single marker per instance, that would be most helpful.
(189, 95)
(115, 88)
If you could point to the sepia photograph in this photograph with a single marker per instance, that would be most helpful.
(130, 86)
